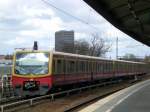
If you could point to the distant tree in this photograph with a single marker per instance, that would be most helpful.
(147, 59)
(129, 56)
(8, 57)
(81, 47)
(96, 46)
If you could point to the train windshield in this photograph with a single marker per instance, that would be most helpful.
(31, 63)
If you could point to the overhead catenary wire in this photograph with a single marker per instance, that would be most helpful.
(68, 14)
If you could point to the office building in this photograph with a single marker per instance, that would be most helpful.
(64, 41)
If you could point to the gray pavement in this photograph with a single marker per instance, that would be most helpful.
(133, 99)
(137, 102)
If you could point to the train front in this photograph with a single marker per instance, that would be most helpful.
(31, 73)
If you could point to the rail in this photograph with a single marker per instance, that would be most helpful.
(52, 96)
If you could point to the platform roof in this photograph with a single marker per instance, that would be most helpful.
(130, 16)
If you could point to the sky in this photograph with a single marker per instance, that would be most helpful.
(22, 22)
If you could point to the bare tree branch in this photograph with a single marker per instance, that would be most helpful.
(96, 47)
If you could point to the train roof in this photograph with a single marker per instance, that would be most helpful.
(78, 55)
(92, 57)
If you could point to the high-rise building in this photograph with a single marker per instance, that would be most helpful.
(64, 41)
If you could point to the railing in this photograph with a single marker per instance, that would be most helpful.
(6, 88)
(52, 96)
(5, 75)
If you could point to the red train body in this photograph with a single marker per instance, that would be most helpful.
(36, 72)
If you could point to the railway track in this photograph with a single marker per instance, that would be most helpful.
(10, 99)
(17, 105)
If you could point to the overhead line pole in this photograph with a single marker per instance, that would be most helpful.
(117, 48)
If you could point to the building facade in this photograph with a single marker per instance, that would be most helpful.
(64, 41)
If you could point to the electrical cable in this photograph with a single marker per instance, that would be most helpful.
(68, 14)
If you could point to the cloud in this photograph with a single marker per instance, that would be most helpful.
(22, 22)
(13, 41)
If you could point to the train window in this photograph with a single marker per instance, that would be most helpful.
(77, 66)
(64, 66)
(101, 67)
(71, 67)
(72, 64)
(129, 67)
(80, 66)
(59, 66)
(87, 66)
(94, 67)
(107, 66)
(104, 66)
(126, 67)
(95, 64)
(121, 66)
(90, 66)
(117, 67)
(110, 66)
(83, 66)
(53, 67)
(98, 67)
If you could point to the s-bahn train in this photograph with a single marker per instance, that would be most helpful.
(37, 72)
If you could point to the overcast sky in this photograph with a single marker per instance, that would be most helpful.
(23, 21)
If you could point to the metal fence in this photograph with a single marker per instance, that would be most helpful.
(5, 79)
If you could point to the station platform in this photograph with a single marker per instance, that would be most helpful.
(135, 98)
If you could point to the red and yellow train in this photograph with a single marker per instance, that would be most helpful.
(37, 72)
